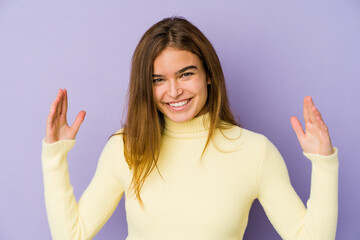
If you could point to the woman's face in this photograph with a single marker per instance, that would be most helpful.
(179, 84)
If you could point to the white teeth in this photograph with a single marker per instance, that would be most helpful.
(179, 104)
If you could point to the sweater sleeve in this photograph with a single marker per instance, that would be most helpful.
(283, 206)
(67, 218)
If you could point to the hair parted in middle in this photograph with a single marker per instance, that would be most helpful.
(144, 123)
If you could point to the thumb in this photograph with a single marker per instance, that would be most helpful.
(78, 121)
(295, 123)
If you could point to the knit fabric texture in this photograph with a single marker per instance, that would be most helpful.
(193, 196)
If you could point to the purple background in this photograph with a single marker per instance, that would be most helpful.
(273, 53)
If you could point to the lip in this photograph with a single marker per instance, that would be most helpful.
(179, 108)
(179, 101)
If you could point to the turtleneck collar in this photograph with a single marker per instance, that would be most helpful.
(197, 127)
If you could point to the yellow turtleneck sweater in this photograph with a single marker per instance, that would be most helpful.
(207, 199)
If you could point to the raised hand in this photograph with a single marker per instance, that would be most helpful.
(316, 138)
(57, 127)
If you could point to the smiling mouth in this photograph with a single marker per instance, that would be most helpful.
(179, 104)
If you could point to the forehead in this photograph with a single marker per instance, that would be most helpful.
(171, 60)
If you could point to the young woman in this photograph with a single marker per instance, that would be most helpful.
(187, 169)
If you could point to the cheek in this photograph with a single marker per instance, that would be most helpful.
(196, 86)
(157, 94)
(201, 88)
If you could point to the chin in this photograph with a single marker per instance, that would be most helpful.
(181, 118)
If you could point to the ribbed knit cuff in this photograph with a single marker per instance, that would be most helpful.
(316, 158)
(323, 201)
(55, 166)
(319, 155)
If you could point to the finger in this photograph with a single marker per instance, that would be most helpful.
(78, 121)
(305, 110)
(64, 106)
(53, 109)
(51, 119)
(321, 125)
(325, 136)
(59, 105)
(310, 106)
(295, 123)
(317, 113)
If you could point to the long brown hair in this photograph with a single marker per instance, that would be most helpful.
(144, 123)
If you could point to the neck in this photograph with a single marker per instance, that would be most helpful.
(197, 127)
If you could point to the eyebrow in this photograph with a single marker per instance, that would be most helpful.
(179, 71)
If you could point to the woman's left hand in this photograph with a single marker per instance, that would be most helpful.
(316, 138)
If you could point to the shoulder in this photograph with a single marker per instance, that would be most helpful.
(118, 132)
(114, 148)
(115, 142)
(236, 138)
(259, 142)
(117, 136)
(233, 132)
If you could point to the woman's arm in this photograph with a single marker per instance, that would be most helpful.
(281, 203)
(283, 206)
(67, 218)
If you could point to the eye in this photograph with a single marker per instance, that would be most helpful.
(157, 80)
(187, 74)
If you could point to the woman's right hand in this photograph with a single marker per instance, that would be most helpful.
(57, 127)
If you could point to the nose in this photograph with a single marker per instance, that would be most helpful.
(175, 89)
